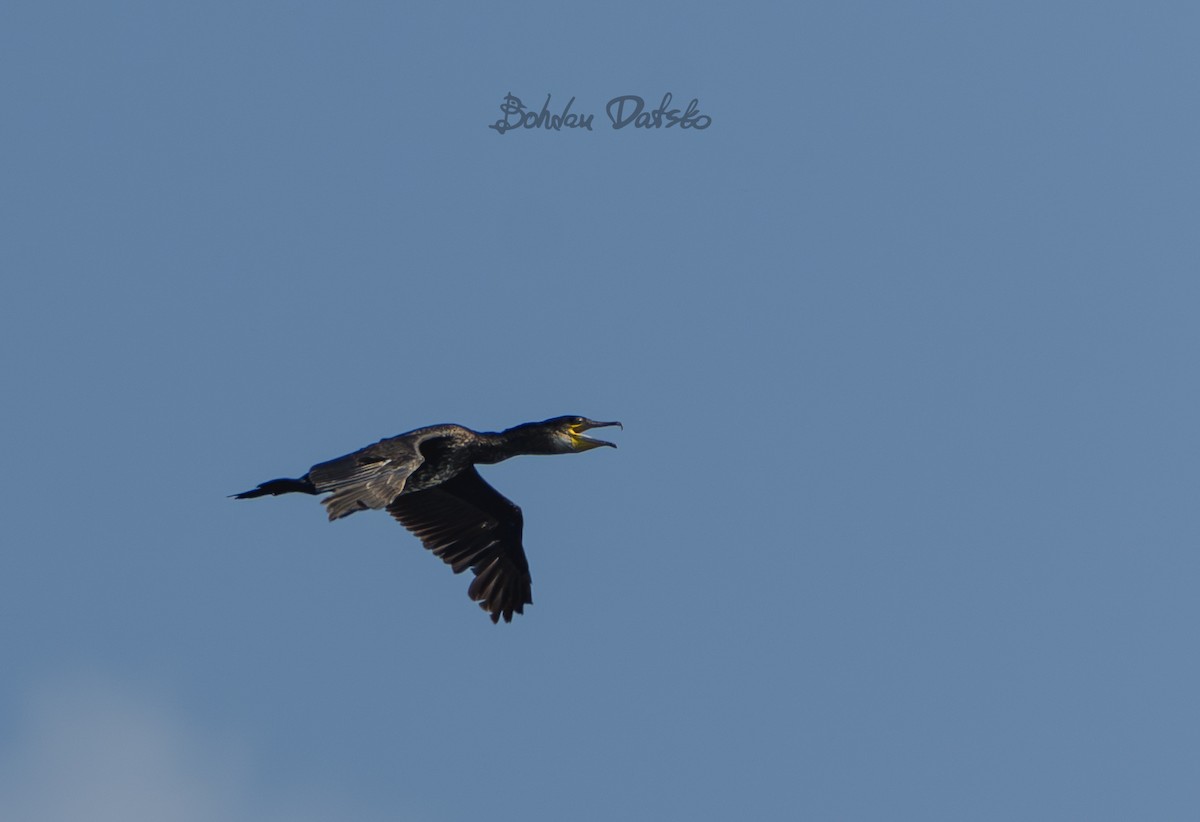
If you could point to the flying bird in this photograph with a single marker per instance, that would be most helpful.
(427, 480)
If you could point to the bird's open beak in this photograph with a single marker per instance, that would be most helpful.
(583, 443)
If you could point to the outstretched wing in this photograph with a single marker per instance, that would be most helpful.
(369, 478)
(469, 524)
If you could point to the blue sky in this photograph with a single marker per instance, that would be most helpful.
(902, 523)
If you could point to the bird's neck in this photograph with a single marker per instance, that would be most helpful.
(489, 448)
(514, 442)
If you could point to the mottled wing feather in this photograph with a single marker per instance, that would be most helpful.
(369, 478)
(469, 524)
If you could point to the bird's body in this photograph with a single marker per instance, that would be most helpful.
(427, 480)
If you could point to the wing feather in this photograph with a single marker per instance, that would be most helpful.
(369, 478)
(468, 524)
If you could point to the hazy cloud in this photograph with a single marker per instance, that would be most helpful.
(95, 752)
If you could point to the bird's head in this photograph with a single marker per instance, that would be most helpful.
(560, 435)
(571, 430)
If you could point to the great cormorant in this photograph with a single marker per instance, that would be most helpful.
(427, 480)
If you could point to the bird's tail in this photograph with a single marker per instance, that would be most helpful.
(276, 487)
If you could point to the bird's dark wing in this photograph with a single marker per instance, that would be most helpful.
(469, 524)
(369, 478)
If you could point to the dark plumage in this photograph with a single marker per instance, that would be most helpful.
(427, 480)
